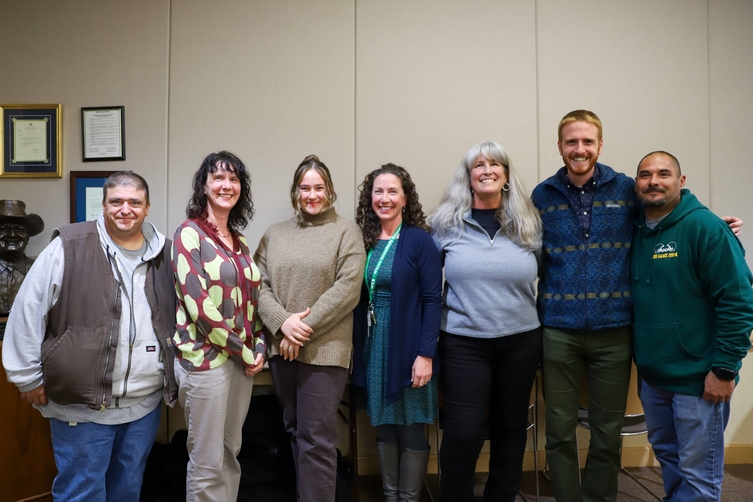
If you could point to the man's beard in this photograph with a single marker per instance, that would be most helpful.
(654, 203)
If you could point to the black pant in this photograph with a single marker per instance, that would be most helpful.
(479, 374)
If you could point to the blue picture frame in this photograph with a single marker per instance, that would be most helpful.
(86, 186)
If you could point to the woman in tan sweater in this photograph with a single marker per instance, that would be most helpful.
(311, 267)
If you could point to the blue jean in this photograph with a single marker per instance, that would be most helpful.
(687, 435)
(98, 463)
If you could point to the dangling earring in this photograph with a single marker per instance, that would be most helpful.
(403, 208)
(471, 190)
(506, 187)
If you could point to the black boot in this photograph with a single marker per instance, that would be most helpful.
(389, 463)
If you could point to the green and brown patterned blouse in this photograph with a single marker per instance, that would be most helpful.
(218, 292)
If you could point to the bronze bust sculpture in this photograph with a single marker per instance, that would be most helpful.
(15, 229)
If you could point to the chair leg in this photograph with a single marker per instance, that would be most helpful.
(533, 409)
(439, 467)
(545, 471)
(634, 478)
(577, 453)
(640, 483)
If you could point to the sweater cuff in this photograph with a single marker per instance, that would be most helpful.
(275, 321)
(31, 386)
(728, 362)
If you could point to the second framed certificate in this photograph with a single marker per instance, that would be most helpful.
(103, 133)
(86, 194)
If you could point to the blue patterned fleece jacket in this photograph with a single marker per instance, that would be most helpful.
(584, 282)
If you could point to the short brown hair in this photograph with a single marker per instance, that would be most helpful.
(579, 116)
(127, 179)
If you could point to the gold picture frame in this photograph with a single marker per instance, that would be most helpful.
(31, 141)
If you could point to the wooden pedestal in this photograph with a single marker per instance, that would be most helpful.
(27, 466)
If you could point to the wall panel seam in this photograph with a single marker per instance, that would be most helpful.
(355, 104)
(708, 89)
(167, 113)
(538, 105)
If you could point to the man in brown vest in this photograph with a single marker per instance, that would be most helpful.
(87, 343)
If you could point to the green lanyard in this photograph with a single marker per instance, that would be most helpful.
(372, 282)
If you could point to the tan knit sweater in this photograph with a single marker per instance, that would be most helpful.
(312, 261)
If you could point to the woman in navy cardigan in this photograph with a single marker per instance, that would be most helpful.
(396, 327)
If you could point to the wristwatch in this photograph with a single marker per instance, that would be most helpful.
(724, 374)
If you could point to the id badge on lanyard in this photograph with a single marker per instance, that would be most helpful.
(370, 314)
(370, 319)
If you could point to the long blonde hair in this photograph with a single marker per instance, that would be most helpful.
(517, 215)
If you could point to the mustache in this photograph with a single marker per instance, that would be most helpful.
(653, 189)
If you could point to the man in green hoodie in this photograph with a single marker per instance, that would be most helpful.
(693, 315)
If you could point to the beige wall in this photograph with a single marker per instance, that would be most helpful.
(271, 81)
(364, 83)
(730, 175)
(89, 53)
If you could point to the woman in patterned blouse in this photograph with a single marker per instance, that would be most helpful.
(219, 341)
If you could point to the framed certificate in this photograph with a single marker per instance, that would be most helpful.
(103, 133)
(86, 194)
(31, 145)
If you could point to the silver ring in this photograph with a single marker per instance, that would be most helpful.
(290, 349)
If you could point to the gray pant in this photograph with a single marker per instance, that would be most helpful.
(215, 403)
(309, 396)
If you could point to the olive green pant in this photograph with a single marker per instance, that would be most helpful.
(605, 355)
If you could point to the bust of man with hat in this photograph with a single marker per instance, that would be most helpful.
(15, 229)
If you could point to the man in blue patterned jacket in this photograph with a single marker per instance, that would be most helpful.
(585, 307)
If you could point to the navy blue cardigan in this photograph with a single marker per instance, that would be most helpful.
(415, 312)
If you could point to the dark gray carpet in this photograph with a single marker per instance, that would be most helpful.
(737, 487)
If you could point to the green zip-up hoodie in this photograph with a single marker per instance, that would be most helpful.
(692, 298)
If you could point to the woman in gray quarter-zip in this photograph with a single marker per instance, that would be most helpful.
(489, 236)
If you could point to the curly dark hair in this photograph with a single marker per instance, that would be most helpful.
(243, 211)
(369, 221)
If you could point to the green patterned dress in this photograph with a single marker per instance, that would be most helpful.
(414, 405)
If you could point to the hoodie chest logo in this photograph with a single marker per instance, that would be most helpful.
(668, 250)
